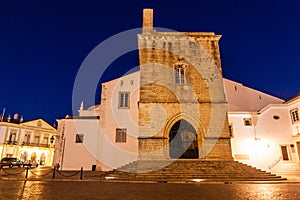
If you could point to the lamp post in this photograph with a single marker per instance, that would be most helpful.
(52, 152)
(52, 139)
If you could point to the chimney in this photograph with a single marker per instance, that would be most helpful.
(147, 19)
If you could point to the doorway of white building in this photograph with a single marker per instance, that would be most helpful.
(284, 152)
(298, 149)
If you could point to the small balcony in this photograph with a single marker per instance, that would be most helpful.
(26, 143)
(44, 145)
(35, 144)
(11, 142)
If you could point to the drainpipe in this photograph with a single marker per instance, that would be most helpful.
(254, 121)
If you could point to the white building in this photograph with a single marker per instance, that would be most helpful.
(28, 141)
(261, 126)
(264, 128)
(104, 135)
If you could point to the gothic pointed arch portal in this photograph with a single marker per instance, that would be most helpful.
(183, 141)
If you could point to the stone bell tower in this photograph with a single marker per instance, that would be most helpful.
(182, 107)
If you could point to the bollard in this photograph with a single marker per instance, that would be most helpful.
(27, 168)
(81, 172)
(53, 175)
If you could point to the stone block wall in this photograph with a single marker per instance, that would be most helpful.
(200, 100)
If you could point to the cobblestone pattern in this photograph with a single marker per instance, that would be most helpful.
(98, 190)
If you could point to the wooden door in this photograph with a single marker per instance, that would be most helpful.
(285, 155)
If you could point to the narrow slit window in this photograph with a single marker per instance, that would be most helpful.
(180, 74)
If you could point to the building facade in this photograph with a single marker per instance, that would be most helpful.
(266, 136)
(178, 106)
(27, 141)
(103, 136)
(181, 87)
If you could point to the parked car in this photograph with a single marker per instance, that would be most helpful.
(30, 163)
(10, 162)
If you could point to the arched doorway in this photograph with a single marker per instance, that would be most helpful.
(42, 159)
(23, 156)
(33, 156)
(183, 140)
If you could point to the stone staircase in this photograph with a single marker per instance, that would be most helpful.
(288, 169)
(189, 170)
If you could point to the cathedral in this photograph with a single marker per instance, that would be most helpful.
(178, 106)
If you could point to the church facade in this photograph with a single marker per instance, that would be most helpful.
(181, 87)
(177, 106)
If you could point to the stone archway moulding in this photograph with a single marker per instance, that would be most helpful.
(179, 116)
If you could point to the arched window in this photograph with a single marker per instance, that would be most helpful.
(33, 156)
(23, 156)
(42, 159)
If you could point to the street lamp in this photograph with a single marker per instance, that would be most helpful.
(52, 139)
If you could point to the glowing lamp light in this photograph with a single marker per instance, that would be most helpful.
(197, 180)
(51, 139)
(109, 177)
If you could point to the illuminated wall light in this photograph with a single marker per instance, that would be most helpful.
(109, 177)
(198, 180)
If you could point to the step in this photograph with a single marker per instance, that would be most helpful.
(192, 169)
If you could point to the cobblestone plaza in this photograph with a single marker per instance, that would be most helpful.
(93, 185)
(107, 190)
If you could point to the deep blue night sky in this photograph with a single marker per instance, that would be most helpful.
(43, 43)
